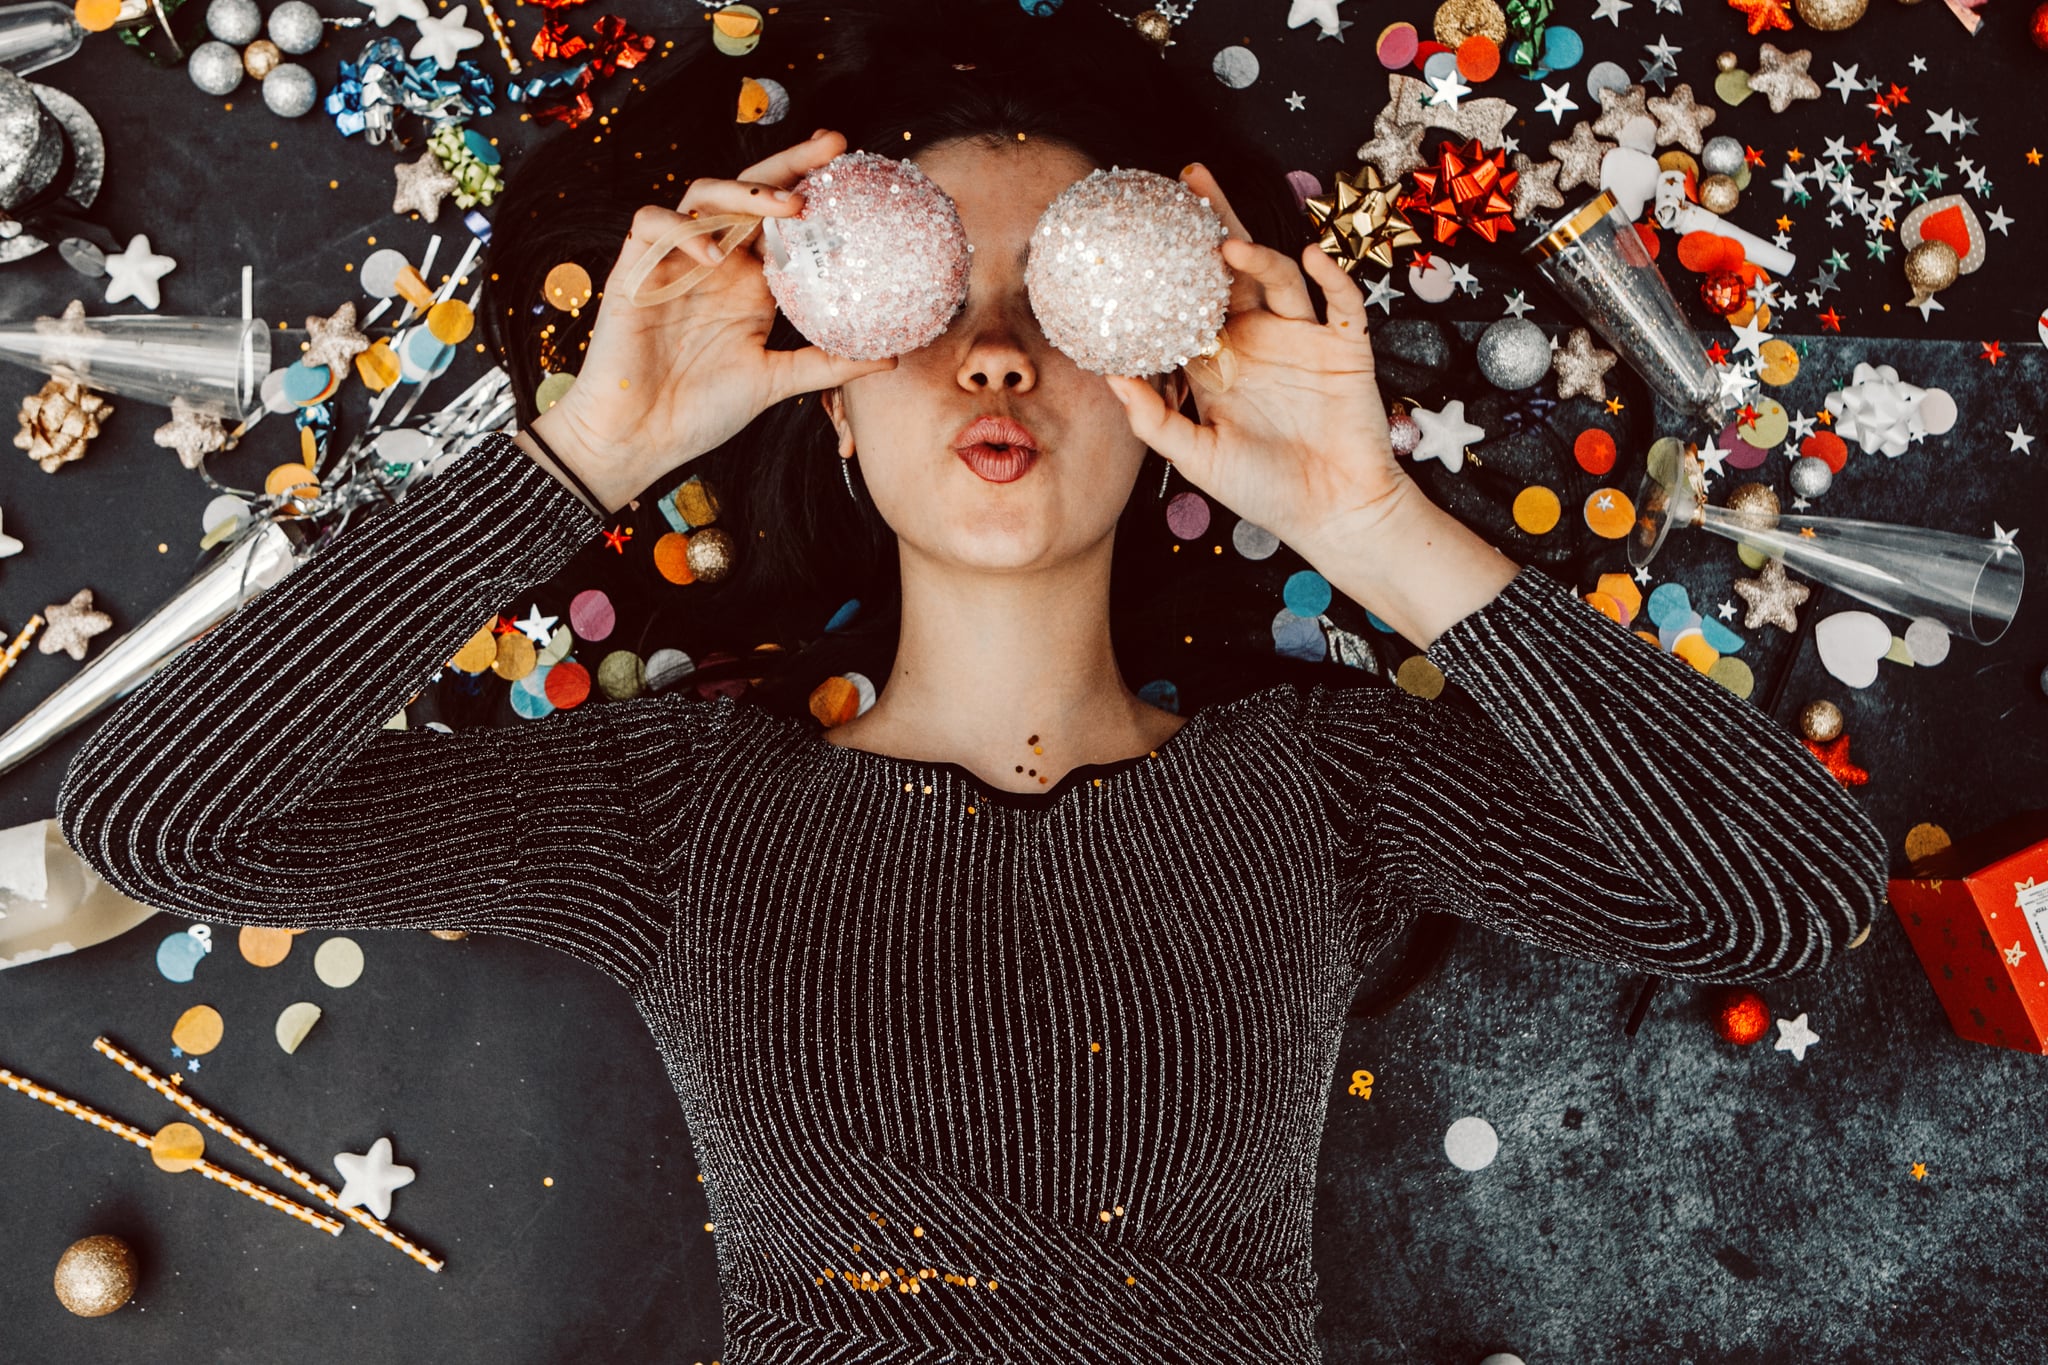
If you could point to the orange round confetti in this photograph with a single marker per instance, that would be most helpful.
(1924, 841)
(199, 1030)
(753, 101)
(294, 478)
(672, 558)
(1622, 588)
(1478, 58)
(97, 16)
(1536, 508)
(177, 1147)
(264, 947)
(567, 286)
(1609, 513)
(515, 658)
(1606, 606)
(451, 321)
(1594, 450)
(1694, 649)
(1828, 448)
(1708, 253)
(378, 367)
(478, 653)
(835, 701)
(568, 684)
(1780, 363)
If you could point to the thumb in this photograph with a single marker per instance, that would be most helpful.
(1165, 431)
(813, 369)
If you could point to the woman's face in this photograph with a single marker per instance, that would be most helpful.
(993, 359)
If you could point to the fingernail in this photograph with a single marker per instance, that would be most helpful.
(785, 195)
(1186, 170)
(820, 133)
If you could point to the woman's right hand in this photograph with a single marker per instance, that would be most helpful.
(662, 384)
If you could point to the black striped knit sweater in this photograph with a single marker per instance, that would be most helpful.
(970, 1075)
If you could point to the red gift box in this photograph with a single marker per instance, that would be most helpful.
(1977, 914)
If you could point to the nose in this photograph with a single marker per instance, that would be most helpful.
(999, 352)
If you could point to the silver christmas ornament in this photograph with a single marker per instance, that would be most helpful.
(1722, 156)
(288, 90)
(1811, 477)
(1514, 354)
(295, 26)
(215, 67)
(234, 22)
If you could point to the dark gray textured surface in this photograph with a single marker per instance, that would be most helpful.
(1661, 1197)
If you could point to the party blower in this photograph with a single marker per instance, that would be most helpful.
(1595, 258)
(1971, 586)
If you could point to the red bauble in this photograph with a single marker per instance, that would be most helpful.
(2038, 27)
(1723, 292)
(1741, 1015)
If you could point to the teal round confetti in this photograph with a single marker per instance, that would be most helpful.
(535, 682)
(1161, 692)
(844, 616)
(480, 146)
(303, 383)
(178, 956)
(530, 705)
(1669, 602)
(1307, 593)
(1378, 624)
(1724, 640)
(1298, 637)
(1562, 48)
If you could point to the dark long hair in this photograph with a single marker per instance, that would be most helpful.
(894, 76)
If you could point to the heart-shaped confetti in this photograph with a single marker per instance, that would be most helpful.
(1851, 643)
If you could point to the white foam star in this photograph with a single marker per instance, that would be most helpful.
(1795, 1037)
(132, 274)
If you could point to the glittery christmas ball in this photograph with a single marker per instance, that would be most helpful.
(1811, 477)
(215, 68)
(1741, 1016)
(710, 554)
(289, 90)
(876, 265)
(2037, 27)
(1722, 156)
(1719, 194)
(1754, 505)
(1725, 61)
(1126, 273)
(1830, 15)
(295, 27)
(261, 57)
(96, 1275)
(234, 21)
(1820, 721)
(1931, 267)
(1405, 432)
(1723, 292)
(1514, 354)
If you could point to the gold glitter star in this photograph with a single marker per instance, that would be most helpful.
(1359, 222)
(421, 186)
(1781, 77)
(1535, 186)
(1581, 367)
(193, 433)
(1771, 597)
(334, 340)
(1680, 120)
(71, 624)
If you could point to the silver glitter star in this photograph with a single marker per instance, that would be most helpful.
(1581, 367)
(68, 625)
(194, 434)
(335, 340)
(422, 185)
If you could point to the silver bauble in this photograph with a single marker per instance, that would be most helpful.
(1811, 477)
(295, 26)
(214, 67)
(234, 22)
(1514, 354)
(1721, 156)
(289, 90)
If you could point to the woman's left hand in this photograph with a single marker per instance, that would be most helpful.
(1298, 443)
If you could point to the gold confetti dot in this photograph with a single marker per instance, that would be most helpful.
(1924, 841)
(547, 1180)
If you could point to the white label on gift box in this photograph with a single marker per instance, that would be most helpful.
(2032, 901)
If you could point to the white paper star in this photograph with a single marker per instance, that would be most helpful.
(132, 274)
(1711, 458)
(1726, 609)
(1795, 1037)
(1463, 278)
(2021, 440)
(1295, 101)
(1610, 10)
(1557, 101)
(1642, 575)
(537, 628)
(2001, 540)
(385, 13)
(1944, 125)
(1927, 306)
(1802, 425)
(1445, 434)
(1749, 337)
(445, 37)
(1323, 13)
(371, 1178)
(1447, 90)
(1845, 81)
(1919, 64)
(9, 546)
(1663, 50)
(1998, 222)
(1517, 305)
(1383, 292)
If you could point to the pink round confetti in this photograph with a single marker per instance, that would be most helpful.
(1741, 454)
(1397, 46)
(591, 615)
(1187, 515)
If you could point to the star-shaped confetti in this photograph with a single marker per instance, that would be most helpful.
(68, 625)
(1781, 78)
(1581, 367)
(1795, 1037)
(1579, 155)
(385, 13)
(1395, 148)
(2022, 440)
(1771, 597)
(1536, 186)
(133, 273)
(1762, 14)
(1322, 13)
(1557, 101)
(1445, 434)
(192, 432)
(537, 628)
(1681, 120)
(1993, 352)
(617, 537)
(1617, 107)
(422, 185)
(370, 1178)
(334, 340)
(444, 37)
(1517, 305)
(2001, 540)
(9, 546)
(1834, 753)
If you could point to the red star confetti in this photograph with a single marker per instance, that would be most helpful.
(1835, 754)
(1993, 352)
(1865, 153)
(1762, 14)
(1752, 155)
(1897, 94)
(503, 625)
(1422, 260)
(1748, 414)
(617, 539)
(1831, 320)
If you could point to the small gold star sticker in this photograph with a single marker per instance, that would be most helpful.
(1919, 1170)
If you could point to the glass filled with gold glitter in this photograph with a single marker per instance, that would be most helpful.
(1595, 258)
(1969, 585)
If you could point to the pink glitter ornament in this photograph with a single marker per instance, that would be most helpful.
(1404, 433)
(1126, 273)
(876, 265)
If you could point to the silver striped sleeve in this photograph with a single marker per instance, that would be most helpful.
(251, 781)
(1593, 795)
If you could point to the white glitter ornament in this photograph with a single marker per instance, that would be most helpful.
(214, 67)
(289, 90)
(1126, 273)
(295, 27)
(877, 263)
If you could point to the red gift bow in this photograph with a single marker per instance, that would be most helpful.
(555, 41)
(618, 46)
(1466, 189)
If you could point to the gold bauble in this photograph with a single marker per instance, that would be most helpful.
(1718, 194)
(1930, 268)
(1830, 15)
(710, 554)
(1754, 505)
(260, 58)
(1154, 27)
(1457, 20)
(1820, 721)
(1725, 61)
(96, 1275)
(452, 935)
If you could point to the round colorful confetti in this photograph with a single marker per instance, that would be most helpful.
(1594, 450)
(294, 478)
(551, 390)
(198, 1030)
(567, 286)
(1734, 675)
(294, 1023)
(1471, 1144)
(1537, 509)
(1298, 637)
(262, 947)
(672, 557)
(1252, 541)
(591, 614)
(451, 321)
(516, 656)
(1770, 425)
(1432, 284)
(1419, 676)
(621, 675)
(834, 702)
(1780, 362)
(568, 684)
(532, 705)
(1307, 593)
(379, 272)
(1609, 513)
(1396, 48)
(338, 962)
(1478, 58)
(1187, 515)
(1741, 454)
